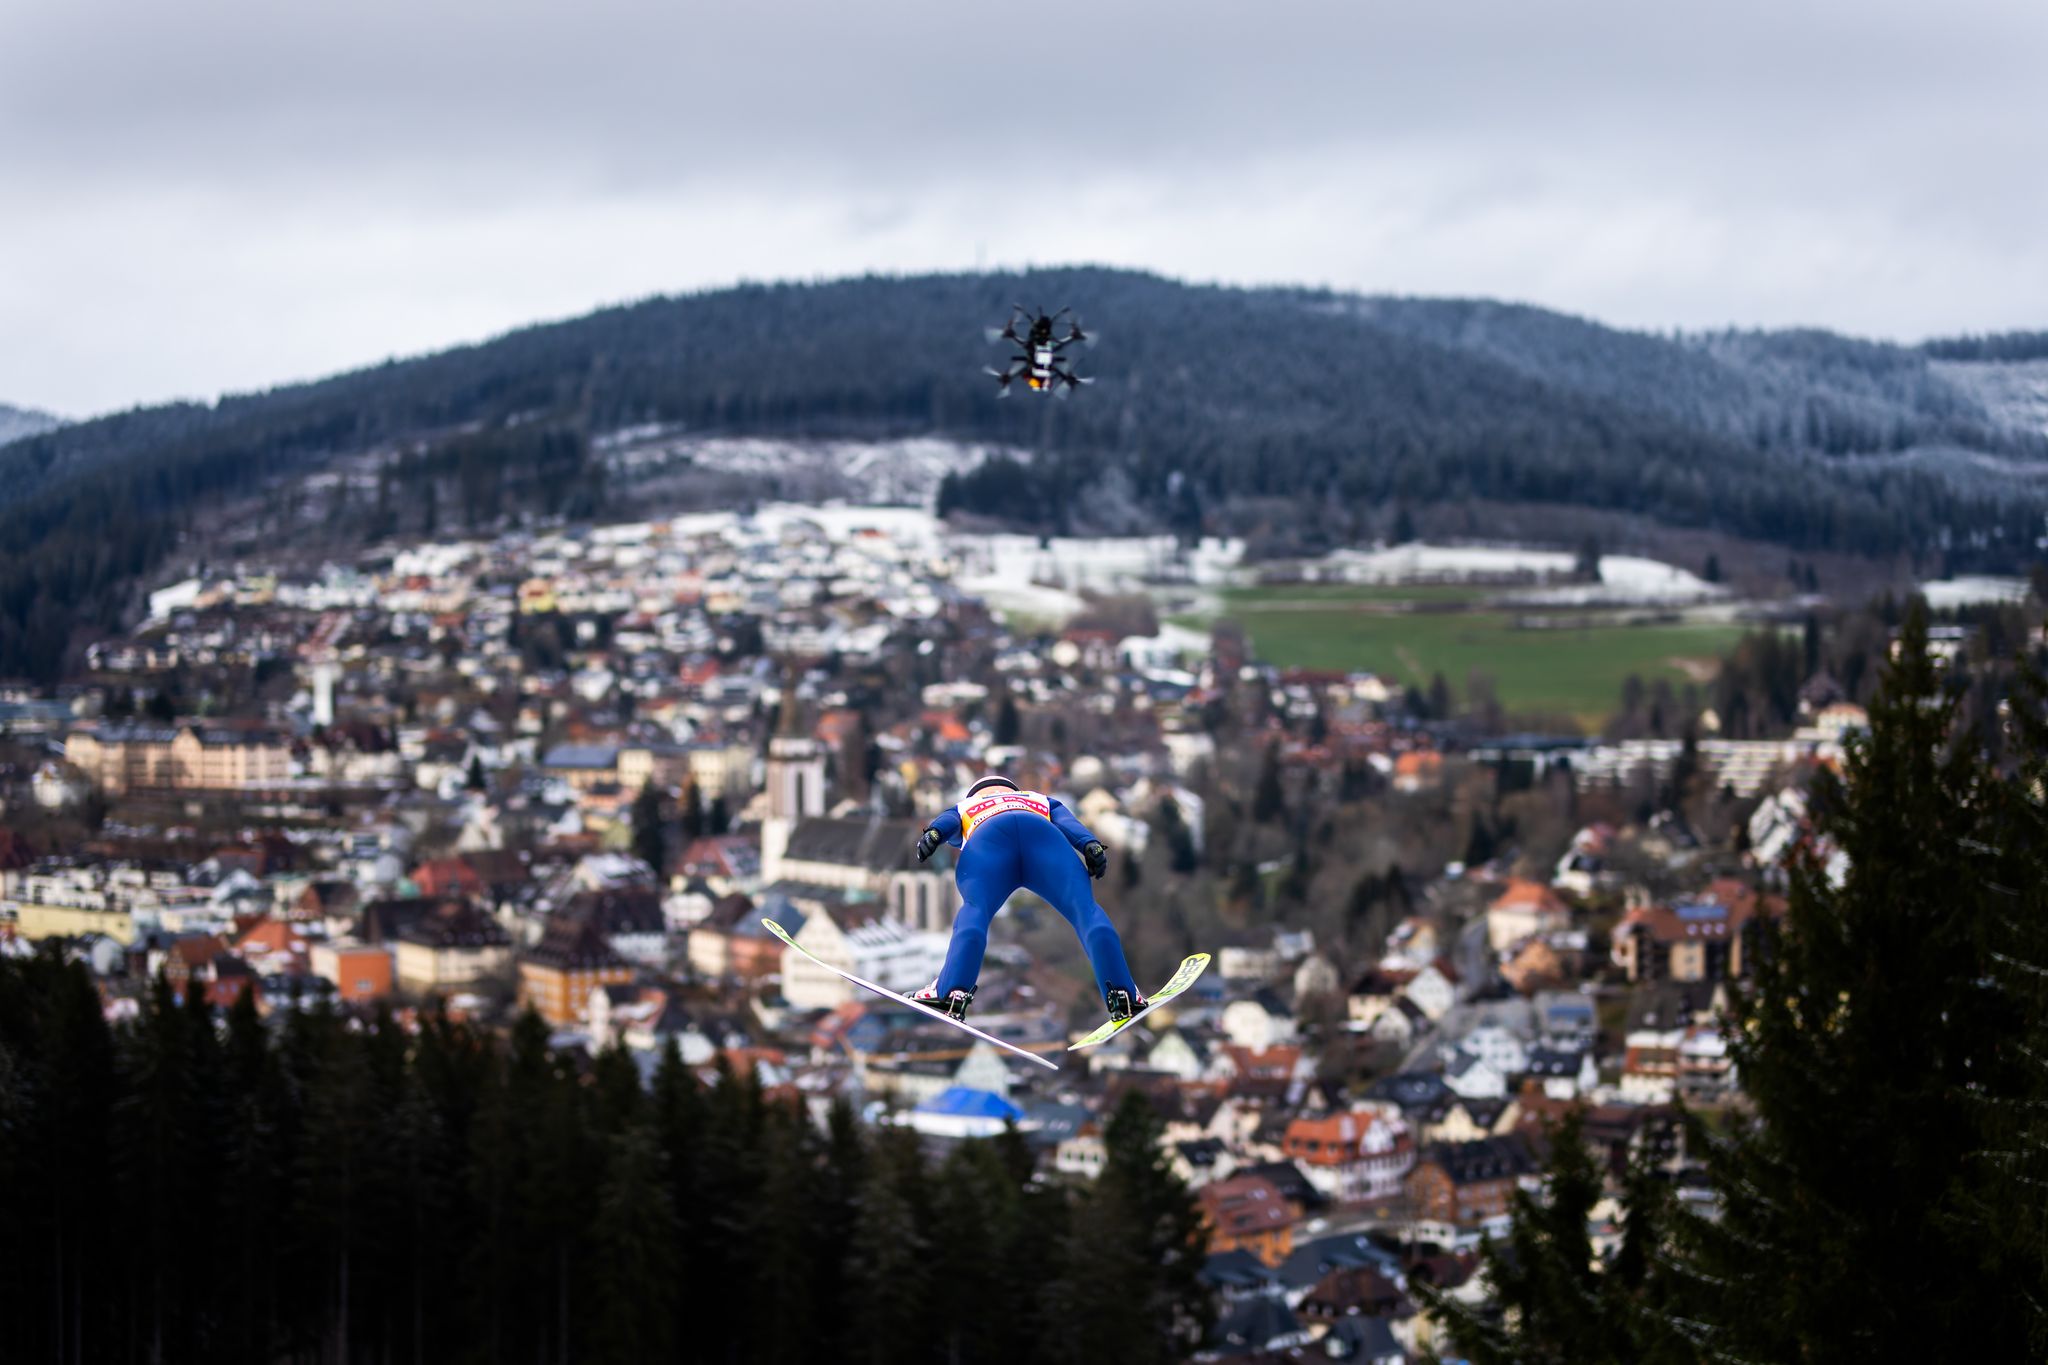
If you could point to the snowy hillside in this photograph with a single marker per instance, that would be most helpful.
(2013, 391)
(16, 423)
(904, 472)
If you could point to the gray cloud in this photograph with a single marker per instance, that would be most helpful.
(222, 195)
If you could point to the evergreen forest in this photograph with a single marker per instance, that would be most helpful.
(1215, 410)
(314, 1187)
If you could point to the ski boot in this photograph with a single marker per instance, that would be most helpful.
(954, 1004)
(1122, 1003)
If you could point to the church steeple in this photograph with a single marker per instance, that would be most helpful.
(795, 778)
(788, 711)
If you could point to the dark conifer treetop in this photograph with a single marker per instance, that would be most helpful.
(1878, 1196)
(195, 1189)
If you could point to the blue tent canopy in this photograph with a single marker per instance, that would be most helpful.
(963, 1102)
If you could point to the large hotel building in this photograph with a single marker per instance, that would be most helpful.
(188, 757)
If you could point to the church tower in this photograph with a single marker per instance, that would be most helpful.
(796, 781)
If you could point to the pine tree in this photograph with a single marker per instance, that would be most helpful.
(1587, 567)
(2004, 1199)
(1439, 697)
(650, 831)
(888, 1260)
(1269, 799)
(1159, 1218)
(1555, 1302)
(633, 1241)
(58, 1088)
(1866, 1025)
(785, 1308)
(977, 1197)
(336, 1149)
(676, 1117)
(693, 812)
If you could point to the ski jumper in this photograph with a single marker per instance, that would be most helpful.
(1012, 839)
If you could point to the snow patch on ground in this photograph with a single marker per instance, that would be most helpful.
(906, 471)
(1109, 564)
(1629, 578)
(1036, 600)
(1972, 590)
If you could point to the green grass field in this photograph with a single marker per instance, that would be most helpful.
(1561, 672)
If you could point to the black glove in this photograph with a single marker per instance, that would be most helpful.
(1097, 858)
(927, 843)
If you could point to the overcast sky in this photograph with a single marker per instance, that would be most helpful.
(215, 195)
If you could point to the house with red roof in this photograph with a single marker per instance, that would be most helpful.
(1710, 937)
(1248, 1212)
(1524, 909)
(1353, 1157)
(448, 877)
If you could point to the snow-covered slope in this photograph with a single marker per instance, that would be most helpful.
(16, 423)
(903, 471)
(2013, 391)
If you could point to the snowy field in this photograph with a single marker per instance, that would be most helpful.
(906, 472)
(1972, 590)
(1103, 565)
(1623, 578)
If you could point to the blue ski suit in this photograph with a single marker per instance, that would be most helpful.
(1012, 839)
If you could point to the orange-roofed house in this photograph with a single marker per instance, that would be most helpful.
(1523, 909)
(1418, 770)
(361, 972)
(448, 877)
(274, 946)
(1248, 1213)
(1237, 1062)
(1353, 1157)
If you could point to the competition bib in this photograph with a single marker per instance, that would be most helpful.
(986, 807)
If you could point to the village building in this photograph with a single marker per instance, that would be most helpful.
(571, 960)
(189, 757)
(1466, 1186)
(1710, 938)
(454, 944)
(1248, 1212)
(1354, 1157)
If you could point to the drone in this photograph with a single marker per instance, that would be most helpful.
(1040, 364)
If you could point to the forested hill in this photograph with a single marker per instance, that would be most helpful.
(16, 423)
(1212, 405)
